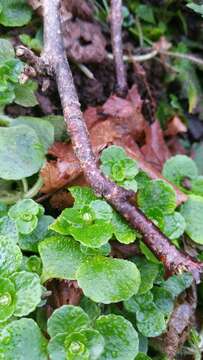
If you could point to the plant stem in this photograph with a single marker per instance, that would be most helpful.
(25, 185)
(116, 39)
(33, 191)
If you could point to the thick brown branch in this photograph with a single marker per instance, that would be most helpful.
(116, 39)
(55, 58)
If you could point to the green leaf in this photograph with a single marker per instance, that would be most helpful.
(142, 356)
(108, 280)
(176, 284)
(94, 235)
(22, 340)
(33, 43)
(179, 167)
(83, 226)
(197, 186)
(28, 292)
(57, 121)
(11, 256)
(67, 319)
(90, 307)
(25, 94)
(174, 225)
(102, 250)
(31, 241)
(119, 167)
(101, 210)
(7, 299)
(56, 348)
(112, 154)
(61, 257)
(87, 344)
(6, 50)
(197, 8)
(25, 213)
(21, 157)
(150, 320)
(192, 211)
(15, 13)
(32, 264)
(121, 339)
(122, 231)
(148, 272)
(157, 195)
(145, 12)
(42, 127)
(82, 195)
(163, 300)
(8, 229)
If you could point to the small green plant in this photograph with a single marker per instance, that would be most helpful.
(10, 87)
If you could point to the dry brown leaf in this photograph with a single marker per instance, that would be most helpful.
(155, 150)
(175, 126)
(127, 113)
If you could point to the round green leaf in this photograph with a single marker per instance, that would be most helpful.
(157, 194)
(15, 13)
(61, 257)
(122, 231)
(6, 49)
(192, 211)
(101, 210)
(92, 235)
(121, 339)
(56, 348)
(28, 292)
(174, 225)
(67, 319)
(8, 229)
(7, 299)
(86, 344)
(30, 241)
(11, 256)
(179, 167)
(21, 157)
(148, 272)
(22, 340)
(150, 320)
(108, 280)
(142, 356)
(163, 300)
(112, 154)
(24, 207)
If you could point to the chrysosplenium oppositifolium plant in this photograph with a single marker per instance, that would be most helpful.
(36, 248)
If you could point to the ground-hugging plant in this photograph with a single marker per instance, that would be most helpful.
(77, 246)
(124, 302)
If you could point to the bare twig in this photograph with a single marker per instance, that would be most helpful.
(154, 52)
(54, 58)
(116, 39)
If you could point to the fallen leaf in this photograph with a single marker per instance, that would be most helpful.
(155, 150)
(127, 113)
(175, 126)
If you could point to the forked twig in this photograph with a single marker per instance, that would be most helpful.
(54, 58)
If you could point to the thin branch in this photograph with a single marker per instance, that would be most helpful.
(153, 53)
(116, 39)
(54, 57)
